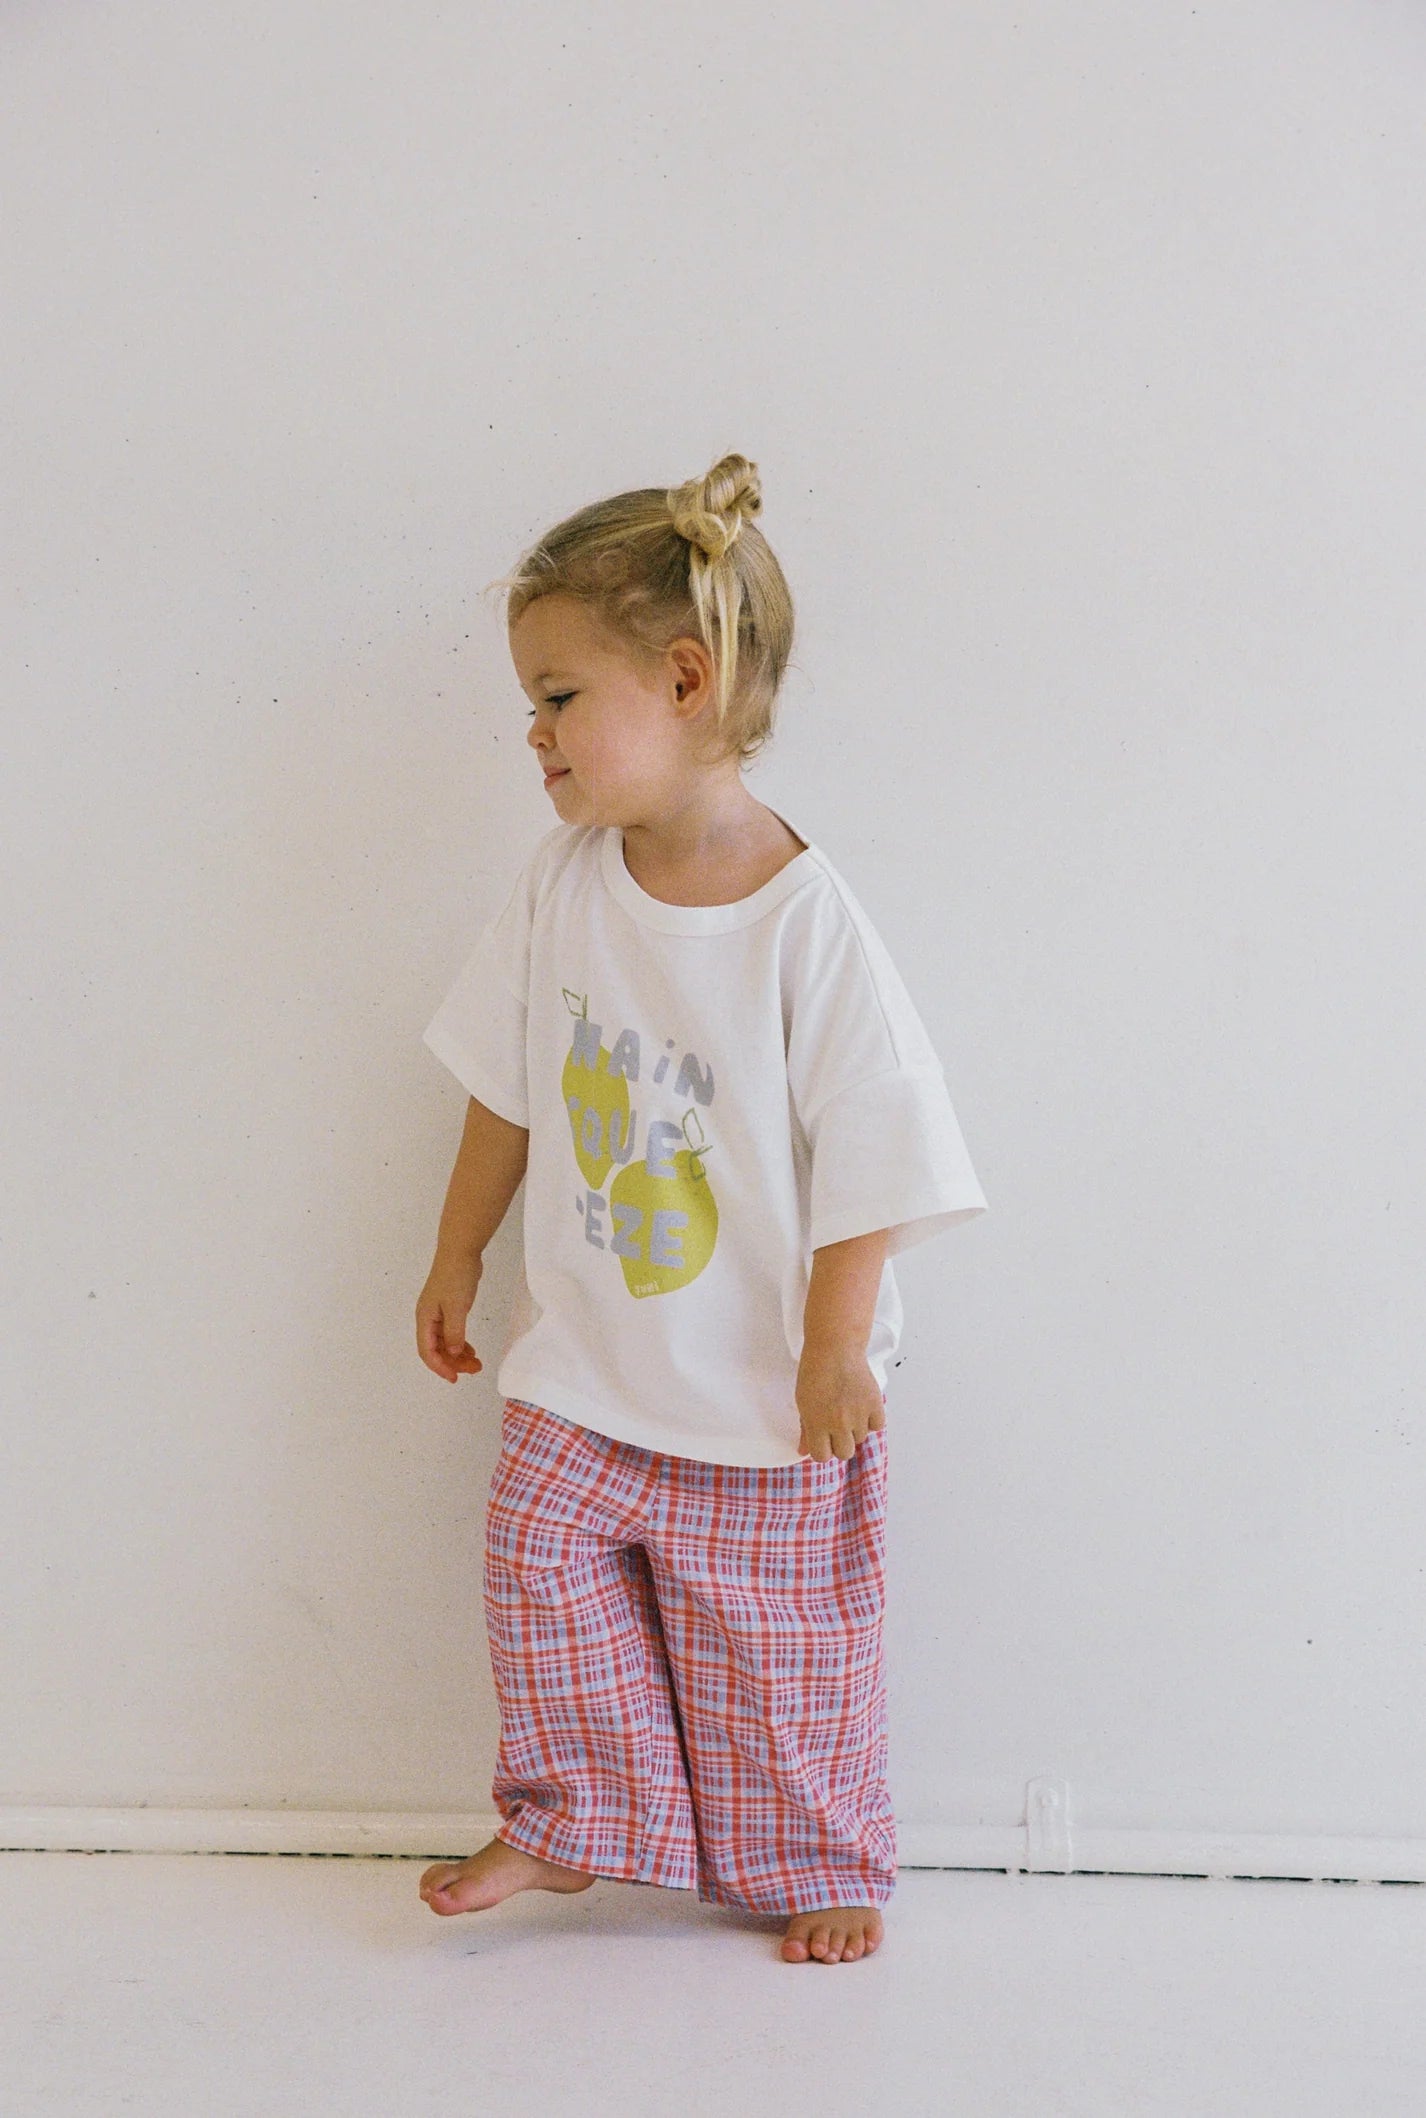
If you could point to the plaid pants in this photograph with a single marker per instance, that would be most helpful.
(688, 1659)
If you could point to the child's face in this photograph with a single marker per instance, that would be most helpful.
(624, 734)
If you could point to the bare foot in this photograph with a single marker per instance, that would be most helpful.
(836, 1934)
(496, 1872)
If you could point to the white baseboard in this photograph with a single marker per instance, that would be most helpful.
(440, 1835)
(434, 1835)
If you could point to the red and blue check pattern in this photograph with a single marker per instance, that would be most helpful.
(689, 1664)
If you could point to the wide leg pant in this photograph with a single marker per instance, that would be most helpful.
(688, 1659)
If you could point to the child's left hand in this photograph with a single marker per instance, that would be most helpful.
(839, 1401)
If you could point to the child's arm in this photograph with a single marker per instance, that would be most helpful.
(489, 1165)
(838, 1398)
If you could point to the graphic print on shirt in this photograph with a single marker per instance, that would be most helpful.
(661, 1206)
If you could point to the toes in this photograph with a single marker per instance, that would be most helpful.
(437, 1885)
(831, 1941)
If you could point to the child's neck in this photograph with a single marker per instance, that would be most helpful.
(720, 866)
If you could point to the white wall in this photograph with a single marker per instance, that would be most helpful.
(1081, 349)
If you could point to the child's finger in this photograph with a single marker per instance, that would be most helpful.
(454, 1337)
(461, 1354)
(428, 1342)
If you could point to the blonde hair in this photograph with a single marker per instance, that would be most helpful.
(660, 563)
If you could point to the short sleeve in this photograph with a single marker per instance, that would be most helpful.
(869, 1090)
(478, 1030)
(888, 1153)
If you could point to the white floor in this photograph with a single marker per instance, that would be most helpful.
(214, 1985)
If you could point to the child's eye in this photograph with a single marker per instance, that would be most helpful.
(556, 698)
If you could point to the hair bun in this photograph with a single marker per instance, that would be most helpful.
(710, 511)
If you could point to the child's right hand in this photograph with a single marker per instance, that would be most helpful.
(442, 1307)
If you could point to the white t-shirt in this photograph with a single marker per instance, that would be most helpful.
(711, 1092)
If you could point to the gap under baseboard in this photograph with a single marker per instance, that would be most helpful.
(450, 1835)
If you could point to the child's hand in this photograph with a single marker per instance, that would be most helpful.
(839, 1401)
(442, 1307)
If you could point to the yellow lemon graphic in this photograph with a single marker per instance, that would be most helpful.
(592, 1097)
(670, 1253)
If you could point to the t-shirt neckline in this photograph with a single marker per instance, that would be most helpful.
(700, 919)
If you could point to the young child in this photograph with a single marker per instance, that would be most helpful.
(683, 1033)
